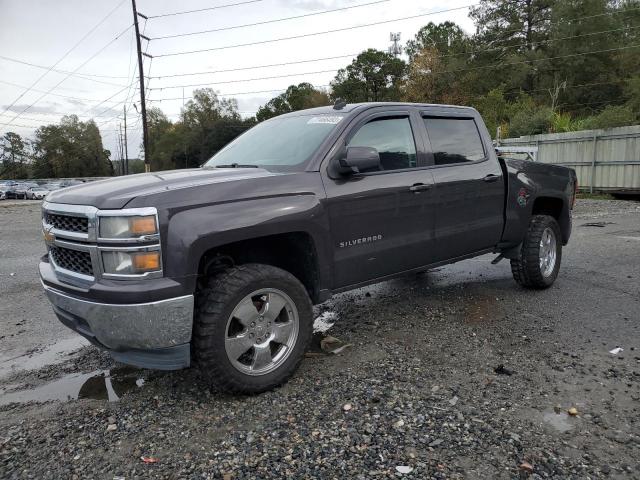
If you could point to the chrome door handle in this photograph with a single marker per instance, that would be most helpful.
(491, 178)
(418, 187)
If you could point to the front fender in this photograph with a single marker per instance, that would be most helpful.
(193, 232)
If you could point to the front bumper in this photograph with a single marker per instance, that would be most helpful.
(153, 335)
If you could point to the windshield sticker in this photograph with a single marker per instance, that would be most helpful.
(326, 119)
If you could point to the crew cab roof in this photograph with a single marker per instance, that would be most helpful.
(352, 108)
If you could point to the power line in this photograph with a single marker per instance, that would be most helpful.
(325, 32)
(536, 60)
(238, 80)
(444, 71)
(328, 71)
(613, 82)
(563, 22)
(47, 93)
(83, 76)
(232, 94)
(256, 66)
(65, 78)
(217, 7)
(64, 56)
(266, 22)
(550, 40)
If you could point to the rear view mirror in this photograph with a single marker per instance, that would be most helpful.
(360, 159)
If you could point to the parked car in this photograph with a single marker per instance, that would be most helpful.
(37, 193)
(3, 191)
(16, 191)
(70, 183)
(21, 189)
(298, 208)
(52, 186)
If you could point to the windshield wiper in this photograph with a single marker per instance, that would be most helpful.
(237, 165)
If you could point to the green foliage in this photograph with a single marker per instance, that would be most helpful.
(531, 121)
(494, 108)
(446, 38)
(373, 76)
(13, 157)
(70, 149)
(611, 116)
(297, 97)
(206, 125)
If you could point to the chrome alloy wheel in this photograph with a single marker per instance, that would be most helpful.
(261, 331)
(548, 252)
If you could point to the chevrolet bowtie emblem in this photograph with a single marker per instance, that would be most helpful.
(49, 237)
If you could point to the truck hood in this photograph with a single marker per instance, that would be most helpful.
(117, 192)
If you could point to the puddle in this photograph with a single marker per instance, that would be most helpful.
(559, 421)
(107, 385)
(56, 353)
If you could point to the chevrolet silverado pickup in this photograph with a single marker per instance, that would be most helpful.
(219, 266)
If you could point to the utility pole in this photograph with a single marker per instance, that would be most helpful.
(126, 150)
(121, 150)
(143, 107)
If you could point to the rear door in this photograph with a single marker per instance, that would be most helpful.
(380, 223)
(469, 184)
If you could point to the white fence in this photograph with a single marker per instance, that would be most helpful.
(604, 160)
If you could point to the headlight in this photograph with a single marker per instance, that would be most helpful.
(128, 227)
(130, 263)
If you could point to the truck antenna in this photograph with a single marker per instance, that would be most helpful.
(340, 104)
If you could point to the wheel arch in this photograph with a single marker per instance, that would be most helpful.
(557, 208)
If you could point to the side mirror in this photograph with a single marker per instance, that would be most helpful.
(359, 159)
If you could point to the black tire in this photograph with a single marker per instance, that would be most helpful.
(526, 268)
(215, 303)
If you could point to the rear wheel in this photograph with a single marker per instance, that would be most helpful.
(540, 255)
(252, 327)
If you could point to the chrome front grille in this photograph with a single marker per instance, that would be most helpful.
(73, 260)
(71, 233)
(67, 222)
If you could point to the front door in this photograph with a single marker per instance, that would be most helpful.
(380, 222)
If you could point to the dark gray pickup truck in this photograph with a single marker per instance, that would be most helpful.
(220, 265)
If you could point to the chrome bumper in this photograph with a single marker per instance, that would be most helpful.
(139, 326)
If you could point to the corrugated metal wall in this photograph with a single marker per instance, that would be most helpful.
(604, 160)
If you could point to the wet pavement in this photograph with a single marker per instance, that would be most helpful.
(108, 385)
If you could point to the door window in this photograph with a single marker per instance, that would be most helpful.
(392, 138)
(454, 140)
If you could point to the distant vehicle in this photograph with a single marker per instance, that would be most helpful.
(37, 193)
(3, 191)
(70, 183)
(52, 186)
(18, 190)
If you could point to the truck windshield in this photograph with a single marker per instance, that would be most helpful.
(278, 144)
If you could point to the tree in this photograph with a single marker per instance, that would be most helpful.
(207, 123)
(374, 76)
(13, 154)
(446, 38)
(70, 149)
(513, 22)
(297, 97)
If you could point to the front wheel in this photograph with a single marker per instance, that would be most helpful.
(252, 327)
(539, 258)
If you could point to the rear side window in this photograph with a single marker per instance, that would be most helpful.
(392, 138)
(454, 140)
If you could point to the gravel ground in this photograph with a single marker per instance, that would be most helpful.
(457, 373)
